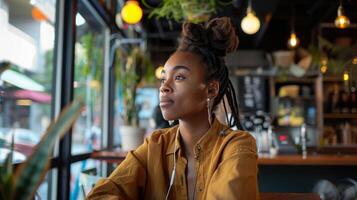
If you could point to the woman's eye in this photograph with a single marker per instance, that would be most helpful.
(162, 80)
(179, 77)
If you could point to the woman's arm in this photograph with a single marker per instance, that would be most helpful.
(128, 179)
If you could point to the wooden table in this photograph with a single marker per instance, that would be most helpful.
(109, 156)
(333, 160)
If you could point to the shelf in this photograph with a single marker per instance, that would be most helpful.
(340, 115)
(294, 80)
(332, 160)
(338, 149)
(332, 78)
(293, 127)
(306, 98)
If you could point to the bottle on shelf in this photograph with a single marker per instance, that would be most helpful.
(353, 100)
(334, 96)
(344, 101)
(303, 140)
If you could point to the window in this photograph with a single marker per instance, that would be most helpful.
(88, 79)
(26, 47)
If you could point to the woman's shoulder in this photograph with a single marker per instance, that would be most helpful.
(240, 141)
(163, 135)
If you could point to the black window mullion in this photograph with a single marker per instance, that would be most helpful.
(65, 42)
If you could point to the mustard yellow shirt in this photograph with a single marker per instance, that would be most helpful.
(225, 165)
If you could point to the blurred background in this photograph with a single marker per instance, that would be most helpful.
(294, 72)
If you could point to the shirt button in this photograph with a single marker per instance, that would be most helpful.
(200, 188)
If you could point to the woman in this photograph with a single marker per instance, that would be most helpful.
(199, 158)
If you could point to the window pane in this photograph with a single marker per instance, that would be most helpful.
(88, 79)
(84, 175)
(43, 192)
(26, 46)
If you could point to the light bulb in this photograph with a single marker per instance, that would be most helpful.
(354, 61)
(158, 72)
(346, 76)
(131, 12)
(341, 21)
(250, 23)
(323, 69)
(293, 40)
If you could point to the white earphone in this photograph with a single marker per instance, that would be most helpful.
(172, 179)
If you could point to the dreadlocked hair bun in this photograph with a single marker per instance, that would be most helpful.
(217, 36)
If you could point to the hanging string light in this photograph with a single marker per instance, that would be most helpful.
(323, 67)
(158, 71)
(293, 41)
(346, 76)
(342, 20)
(131, 12)
(354, 61)
(250, 23)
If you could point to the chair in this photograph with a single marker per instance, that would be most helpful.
(289, 196)
(88, 179)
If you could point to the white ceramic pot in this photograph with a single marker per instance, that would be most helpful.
(131, 137)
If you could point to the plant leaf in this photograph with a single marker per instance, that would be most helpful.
(30, 174)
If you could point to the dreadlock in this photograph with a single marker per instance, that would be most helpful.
(212, 42)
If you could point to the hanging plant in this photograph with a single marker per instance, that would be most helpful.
(195, 11)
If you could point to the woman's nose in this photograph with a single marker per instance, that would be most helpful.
(165, 87)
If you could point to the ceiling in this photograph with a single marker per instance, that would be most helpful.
(275, 16)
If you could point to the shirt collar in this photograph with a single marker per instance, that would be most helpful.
(205, 141)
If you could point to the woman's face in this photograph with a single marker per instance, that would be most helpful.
(183, 93)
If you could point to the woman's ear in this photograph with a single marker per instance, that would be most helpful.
(213, 89)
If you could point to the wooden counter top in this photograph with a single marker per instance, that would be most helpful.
(109, 156)
(333, 160)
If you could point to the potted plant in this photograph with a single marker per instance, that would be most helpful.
(23, 183)
(133, 70)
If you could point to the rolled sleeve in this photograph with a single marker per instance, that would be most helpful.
(127, 181)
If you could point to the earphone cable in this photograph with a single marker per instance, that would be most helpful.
(172, 179)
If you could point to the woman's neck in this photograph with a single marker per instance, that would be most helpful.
(192, 130)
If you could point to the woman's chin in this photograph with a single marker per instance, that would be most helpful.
(169, 117)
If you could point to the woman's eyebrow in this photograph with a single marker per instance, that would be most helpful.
(181, 67)
(178, 67)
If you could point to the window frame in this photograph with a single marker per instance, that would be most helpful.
(63, 93)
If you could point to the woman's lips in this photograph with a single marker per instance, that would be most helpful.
(164, 102)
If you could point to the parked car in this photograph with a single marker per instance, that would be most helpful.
(17, 157)
(24, 139)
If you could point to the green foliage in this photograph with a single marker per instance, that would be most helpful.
(338, 58)
(195, 11)
(131, 70)
(90, 59)
(22, 184)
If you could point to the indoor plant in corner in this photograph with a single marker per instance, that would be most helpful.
(132, 70)
(23, 183)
